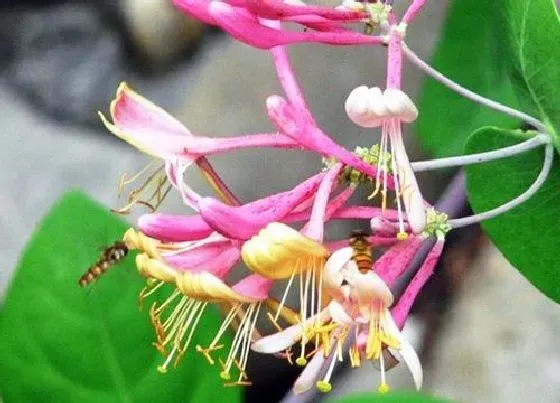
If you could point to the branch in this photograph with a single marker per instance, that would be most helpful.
(522, 198)
(473, 96)
(478, 158)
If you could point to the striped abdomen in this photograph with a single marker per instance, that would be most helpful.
(111, 256)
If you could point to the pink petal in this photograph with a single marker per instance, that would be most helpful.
(209, 145)
(254, 286)
(315, 227)
(277, 10)
(402, 308)
(199, 9)
(296, 124)
(145, 125)
(395, 260)
(245, 27)
(215, 259)
(173, 227)
(245, 221)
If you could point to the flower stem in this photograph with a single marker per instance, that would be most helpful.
(413, 10)
(216, 182)
(476, 218)
(394, 60)
(478, 158)
(414, 59)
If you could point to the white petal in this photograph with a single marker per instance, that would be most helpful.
(278, 342)
(377, 104)
(309, 376)
(405, 350)
(333, 270)
(358, 109)
(400, 105)
(338, 314)
(370, 287)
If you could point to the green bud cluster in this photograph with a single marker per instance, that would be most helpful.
(369, 156)
(436, 224)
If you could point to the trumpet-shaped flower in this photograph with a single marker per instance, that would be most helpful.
(358, 309)
(197, 270)
(257, 22)
(156, 133)
(369, 107)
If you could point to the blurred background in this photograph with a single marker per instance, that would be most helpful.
(484, 334)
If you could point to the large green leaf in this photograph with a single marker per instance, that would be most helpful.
(391, 397)
(527, 235)
(531, 34)
(60, 343)
(468, 53)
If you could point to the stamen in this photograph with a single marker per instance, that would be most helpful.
(396, 177)
(224, 326)
(288, 286)
(242, 341)
(157, 178)
(383, 387)
(152, 285)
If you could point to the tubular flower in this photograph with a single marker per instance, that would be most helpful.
(358, 310)
(197, 270)
(171, 145)
(280, 252)
(257, 22)
(369, 107)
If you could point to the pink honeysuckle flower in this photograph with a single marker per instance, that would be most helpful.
(256, 22)
(198, 270)
(369, 107)
(358, 307)
(156, 133)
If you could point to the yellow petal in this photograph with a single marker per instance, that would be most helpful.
(277, 250)
(207, 287)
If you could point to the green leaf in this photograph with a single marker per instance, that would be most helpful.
(391, 397)
(468, 53)
(61, 343)
(527, 235)
(531, 36)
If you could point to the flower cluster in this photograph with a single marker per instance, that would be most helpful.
(346, 306)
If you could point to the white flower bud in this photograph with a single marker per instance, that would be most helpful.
(400, 105)
(365, 107)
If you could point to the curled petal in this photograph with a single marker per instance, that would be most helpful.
(406, 351)
(137, 240)
(278, 342)
(145, 125)
(309, 375)
(286, 338)
(155, 268)
(277, 249)
(333, 271)
(207, 287)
